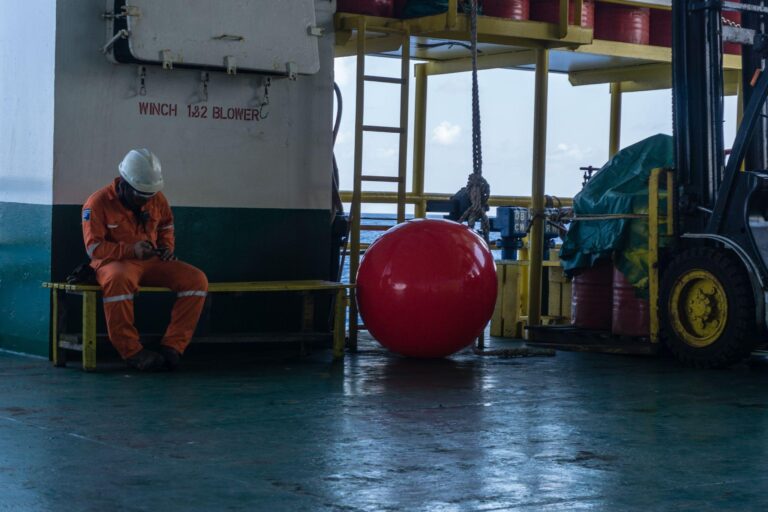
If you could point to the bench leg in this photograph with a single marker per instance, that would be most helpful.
(339, 325)
(89, 331)
(58, 354)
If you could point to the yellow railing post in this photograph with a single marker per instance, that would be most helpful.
(453, 7)
(536, 245)
(419, 138)
(55, 353)
(562, 24)
(354, 251)
(405, 68)
(653, 253)
(578, 12)
(614, 142)
(89, 331)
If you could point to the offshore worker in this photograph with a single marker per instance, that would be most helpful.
(128, 234)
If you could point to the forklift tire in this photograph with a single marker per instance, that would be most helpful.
(707, 308)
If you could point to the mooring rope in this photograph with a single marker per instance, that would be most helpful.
(477, 187)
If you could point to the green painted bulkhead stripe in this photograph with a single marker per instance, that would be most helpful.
(228, 244)
(25, 262)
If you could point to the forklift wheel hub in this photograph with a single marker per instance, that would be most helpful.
(698, 308)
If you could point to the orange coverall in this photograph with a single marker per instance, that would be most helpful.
(110, 231)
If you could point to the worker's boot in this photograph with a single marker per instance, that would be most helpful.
(172, 358)
(146, 361)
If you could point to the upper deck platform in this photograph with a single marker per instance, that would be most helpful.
(442, 41)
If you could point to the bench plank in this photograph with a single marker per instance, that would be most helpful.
(90, 294)
(232, 287)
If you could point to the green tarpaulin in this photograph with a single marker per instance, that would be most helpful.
(620, 187)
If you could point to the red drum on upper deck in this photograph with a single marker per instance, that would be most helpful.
(661, 29)
(512, 9)
(384, 8)
(623, 23)
(591, 299)
(631, 315)
(549, 12)
(734, 17)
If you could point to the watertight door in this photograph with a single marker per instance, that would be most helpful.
(266, 36)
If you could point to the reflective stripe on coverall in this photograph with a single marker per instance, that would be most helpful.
(110, 230)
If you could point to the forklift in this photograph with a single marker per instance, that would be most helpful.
(708, 284)
(714, 275)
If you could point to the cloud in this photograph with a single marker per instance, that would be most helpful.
(386, 152)
(343, 71)
(571, 151)
(446, 133)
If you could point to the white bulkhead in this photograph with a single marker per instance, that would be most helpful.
(234, 97)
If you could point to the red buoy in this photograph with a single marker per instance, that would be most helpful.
(399, 7)
(624, 23)
(512, 9)
(631, 315)
(384, 8)
(549, 11)
(427, 288)
(591, 298)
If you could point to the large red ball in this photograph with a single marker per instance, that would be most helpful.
(427, 288)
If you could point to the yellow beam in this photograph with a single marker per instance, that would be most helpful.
(536, 245)
(638, 73)
(391, 198)
(346, 45)
(454, 27)
(492, 61)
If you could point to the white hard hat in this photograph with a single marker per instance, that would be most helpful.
(141, 169)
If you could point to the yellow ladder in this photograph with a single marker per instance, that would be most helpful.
(360, 129)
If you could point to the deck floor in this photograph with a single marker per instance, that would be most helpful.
(571, 432)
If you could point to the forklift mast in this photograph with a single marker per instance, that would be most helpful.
(716, 200)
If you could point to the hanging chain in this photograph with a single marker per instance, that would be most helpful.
(477, 187)
(477, 150)
(728, 22)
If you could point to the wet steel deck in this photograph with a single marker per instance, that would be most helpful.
(571, 432)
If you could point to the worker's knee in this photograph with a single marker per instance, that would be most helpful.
(191, 279)
(118, 282)
(199, 280)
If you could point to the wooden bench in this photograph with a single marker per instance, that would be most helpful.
(86, 341)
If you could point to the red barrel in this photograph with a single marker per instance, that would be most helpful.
(734, 17)
(661, 28)
(385, 8)
(512, 9)
(624, 23)
(630, 313)
(591, 297)
(549, 11)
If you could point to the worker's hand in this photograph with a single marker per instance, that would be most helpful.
(143, 250)
(165, 254)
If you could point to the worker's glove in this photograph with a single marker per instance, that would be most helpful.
(165, 254)
(143, 250)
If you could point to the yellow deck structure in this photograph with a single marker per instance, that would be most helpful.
(524, 45)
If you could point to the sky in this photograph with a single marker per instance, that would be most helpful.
(578, 128)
